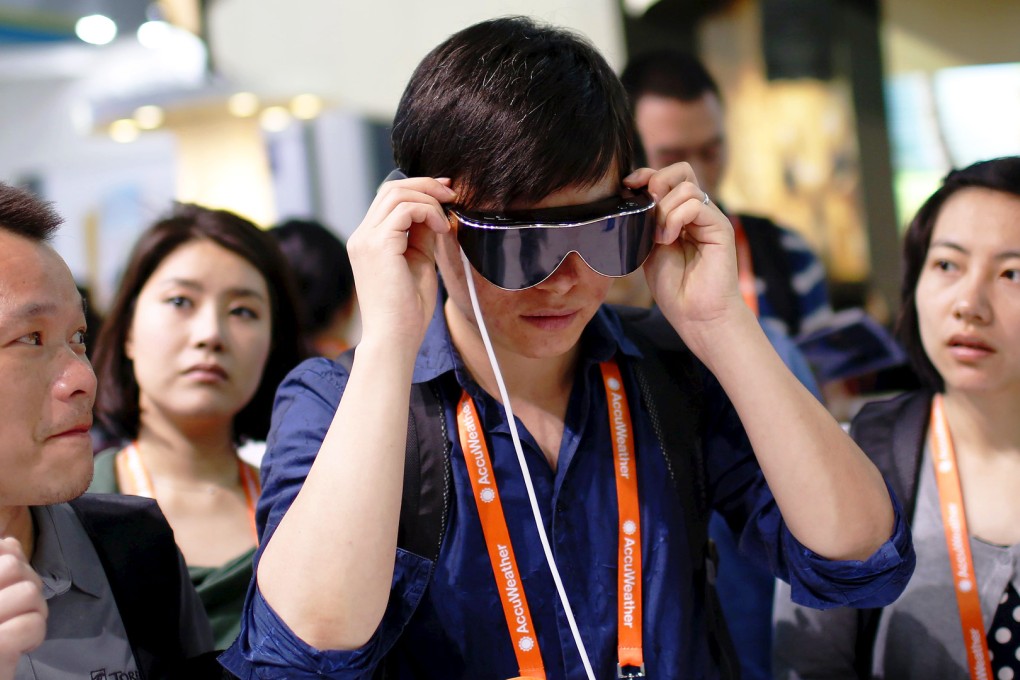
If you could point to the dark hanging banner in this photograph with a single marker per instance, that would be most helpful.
(797, 38)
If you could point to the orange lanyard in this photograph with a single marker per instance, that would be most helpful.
(501, 553)
(129, 463)
(954, 521)
(745, 267)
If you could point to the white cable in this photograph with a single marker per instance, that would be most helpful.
(524, 470)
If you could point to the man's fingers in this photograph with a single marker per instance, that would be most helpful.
(661, 183)
(20, 599)
(679, 195)
(438, 190)
(639, 178)
(23, 609)
(14, 568)
(19, 635)
(406, 215)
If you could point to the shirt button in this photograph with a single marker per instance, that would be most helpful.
(560, 507)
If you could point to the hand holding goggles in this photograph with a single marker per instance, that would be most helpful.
(518, 249)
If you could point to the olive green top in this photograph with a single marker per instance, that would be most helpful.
(221, 589)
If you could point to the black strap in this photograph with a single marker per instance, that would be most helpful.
(892, 434)
(137, 550)
(770, 261)
(428, 478)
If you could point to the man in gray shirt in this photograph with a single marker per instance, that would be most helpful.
(120, 604)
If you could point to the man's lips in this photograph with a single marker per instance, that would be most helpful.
(74, 431)
(551, 319)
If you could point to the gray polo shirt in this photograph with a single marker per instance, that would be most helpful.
(85, 637)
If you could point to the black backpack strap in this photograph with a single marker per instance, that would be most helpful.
(137, 550)
(428, 477)
(892, 434)
(671, 393)
(771, 264)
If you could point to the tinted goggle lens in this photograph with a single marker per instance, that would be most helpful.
(519, 249)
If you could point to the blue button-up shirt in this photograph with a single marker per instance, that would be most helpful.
(447, 621)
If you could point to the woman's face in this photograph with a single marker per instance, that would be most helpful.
(968, 294)
(200, 335)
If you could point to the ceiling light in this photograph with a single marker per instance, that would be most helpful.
(306, 106)
(243, 104)
(124, 130)
(149, 117)
(96, 29)
(155, 34)
(275, 119)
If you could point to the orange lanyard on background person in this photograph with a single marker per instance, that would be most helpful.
(129, 463)
(954, 521)
(745, 266)
(501, 554)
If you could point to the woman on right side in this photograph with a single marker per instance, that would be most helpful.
(951, 451)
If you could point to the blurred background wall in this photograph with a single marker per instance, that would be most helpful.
(842, 114)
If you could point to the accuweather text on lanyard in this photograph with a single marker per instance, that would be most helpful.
(129, 463)
(501, 553)
(745, 266)
(954, 520)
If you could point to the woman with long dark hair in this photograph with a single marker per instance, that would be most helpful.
(202, 331)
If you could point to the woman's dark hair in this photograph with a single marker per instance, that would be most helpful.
(321, 268)
(117, 401)
(513, 111)
(1000, 174)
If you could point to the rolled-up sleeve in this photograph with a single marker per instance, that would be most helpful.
(266, 647)
(739, 492)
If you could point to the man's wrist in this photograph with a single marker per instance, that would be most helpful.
(716, 339)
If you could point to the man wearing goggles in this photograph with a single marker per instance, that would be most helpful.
(562, 550)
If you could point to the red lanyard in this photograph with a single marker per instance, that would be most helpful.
(954, 521)
(129, 463)
(501, 553)
(745, 266)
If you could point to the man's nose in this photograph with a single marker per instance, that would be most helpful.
(75, 377)
(565, 276)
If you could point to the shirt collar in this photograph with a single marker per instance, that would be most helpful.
(601, 339)
(64, 555)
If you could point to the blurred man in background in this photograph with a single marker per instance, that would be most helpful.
(679, 116)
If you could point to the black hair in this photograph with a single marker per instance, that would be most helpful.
(321, 268)
(513, 111)
(117, 401)
(1000, 174)
(24, 214)
(668, 73)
